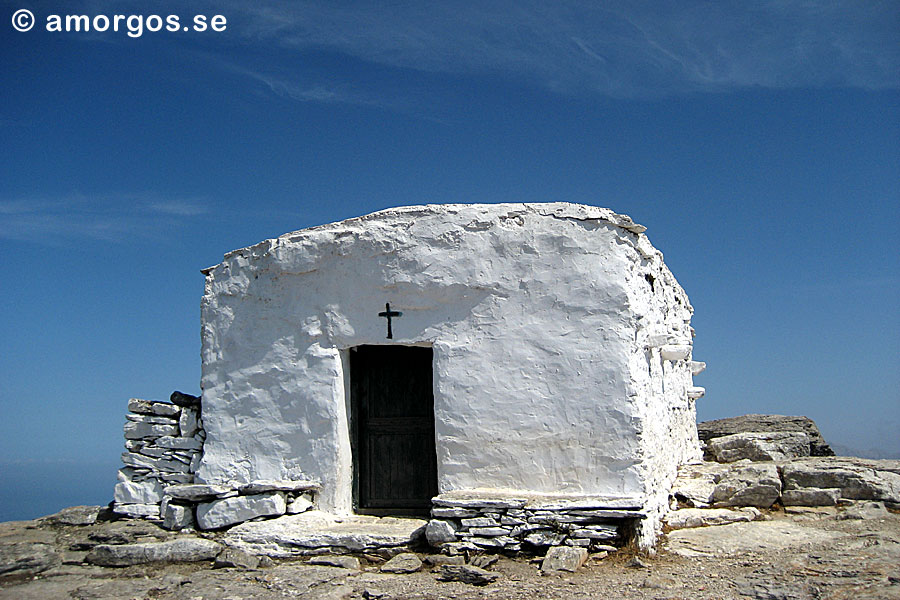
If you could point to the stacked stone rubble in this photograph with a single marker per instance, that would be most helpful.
(511, 525)
(163, 447)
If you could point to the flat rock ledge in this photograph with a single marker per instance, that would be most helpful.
(317, 532)
(807, 481)
(125, 555)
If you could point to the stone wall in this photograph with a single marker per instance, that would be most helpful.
(491, 521)
(163, 446)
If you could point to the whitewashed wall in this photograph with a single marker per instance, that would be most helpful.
(540, 320)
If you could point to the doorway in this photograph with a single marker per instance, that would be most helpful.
(392, 429)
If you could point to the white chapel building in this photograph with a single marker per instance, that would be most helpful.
(540, 350)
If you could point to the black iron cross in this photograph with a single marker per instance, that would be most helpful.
(388, 313)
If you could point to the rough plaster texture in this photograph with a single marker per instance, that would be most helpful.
(547, 323)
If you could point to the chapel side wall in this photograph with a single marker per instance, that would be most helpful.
(661, 377)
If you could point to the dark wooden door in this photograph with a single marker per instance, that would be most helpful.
(393, 418)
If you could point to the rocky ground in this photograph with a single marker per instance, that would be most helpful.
(850, 551)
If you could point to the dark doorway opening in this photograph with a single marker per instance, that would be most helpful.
(392, 425)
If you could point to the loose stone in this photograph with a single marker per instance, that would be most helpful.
(467, 574)
(406, 562)
(343, 562)
(564, 558)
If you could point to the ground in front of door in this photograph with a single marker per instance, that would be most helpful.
(800, 555)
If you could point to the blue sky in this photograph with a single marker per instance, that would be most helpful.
(758, 141)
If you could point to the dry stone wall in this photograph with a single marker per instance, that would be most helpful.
(163, 447)
(504, 523)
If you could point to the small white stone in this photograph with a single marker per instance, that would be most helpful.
(177, 517)
(439, 532)
(136, 431)
(179, 443)
(137, 510)
(145, 492)
(188, 424)
(675, 351)
(299, 505)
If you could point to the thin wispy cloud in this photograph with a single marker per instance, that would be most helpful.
(107, 218)
(178, 208)
(612, 48)
(324, 92)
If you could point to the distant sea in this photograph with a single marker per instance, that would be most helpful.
(32, 489)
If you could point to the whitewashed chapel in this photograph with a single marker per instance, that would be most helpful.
(507, 360)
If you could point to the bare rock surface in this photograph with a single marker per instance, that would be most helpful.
(806, 552)
(757, 484)
(856, 478)
(744, 537)
(705, 517)
(342, 562)
(709, 430)
(75, 515)
(27, 558)
(759, 446)
(232, 558)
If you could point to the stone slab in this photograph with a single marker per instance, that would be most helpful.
(277, 485)
(133, 492)
(182, 550)
(313, 531)
(811, 497)
(150, 407)
(193, 492)
(179, 443)
(737, 538)
(238, 509)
